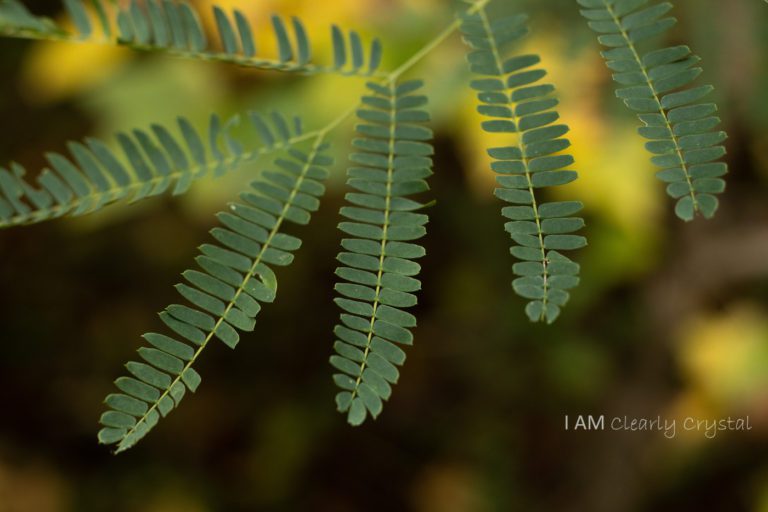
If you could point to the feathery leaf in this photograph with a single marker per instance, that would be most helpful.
(175, 27)
(515, 103)
(379, 276)
(680, 128)
(95, 176)
(223, 296)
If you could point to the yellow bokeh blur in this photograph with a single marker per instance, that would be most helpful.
(55, 71)
(723, 357)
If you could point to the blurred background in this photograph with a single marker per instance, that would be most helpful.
(670, 318)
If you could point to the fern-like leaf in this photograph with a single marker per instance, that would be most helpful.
(515, 103)
(223, 295)
(175, 27)
(680, 128)
(393, 160)
(150, 164)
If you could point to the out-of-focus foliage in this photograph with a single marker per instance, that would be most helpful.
(175, 28)
(391, 161)
(94, 176)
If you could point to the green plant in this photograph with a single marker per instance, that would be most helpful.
(392, 159)
(680, 129)
(394, 156)
(514, 104)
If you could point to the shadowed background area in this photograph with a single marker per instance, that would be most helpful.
(670, 318)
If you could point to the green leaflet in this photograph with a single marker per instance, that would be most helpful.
(14, 16)
(151, 163)
(223, 296)
(514, 102)
(377, 272)
(681, 130)
(353, 47)
(175, 27)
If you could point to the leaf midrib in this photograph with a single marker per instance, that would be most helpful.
(387, 207)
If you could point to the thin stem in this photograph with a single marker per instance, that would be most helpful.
(437, 41)
(419, 55)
